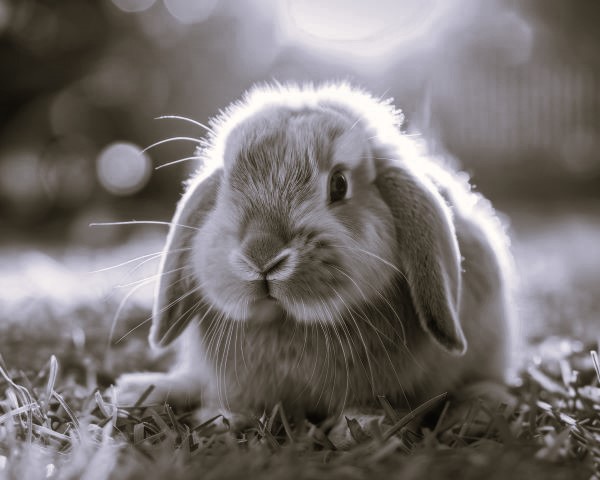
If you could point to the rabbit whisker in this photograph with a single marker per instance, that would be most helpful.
(181, 160)
(210, 339)
(113, 324)
(362, 340)
(140, 222)
(181, 297)
(329, 360)
(207, 335)
(326, 369)
(307, 328)
(138, 266)
(398, 319)
(125, 335)
(378, 333)
(329, 313)
(295, 324)
(221, 373)
(371, 254)
(211, 333)
(236, 342)
(355, 124)
(230, 326)
(351, 348)
(231, 342)
(211, 336)
(172, 139)
(150, 256)
(156, 276)
(215, 336)
(186, 119)
(312, 341)
(367, 300)
(346, 366)
(384, 317)
(122, 305)
(184, 319)
(387, 354)
(243, 327)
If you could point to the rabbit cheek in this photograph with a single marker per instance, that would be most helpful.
(369, 256)
(219, 287)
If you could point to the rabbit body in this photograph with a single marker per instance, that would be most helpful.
(281, 291)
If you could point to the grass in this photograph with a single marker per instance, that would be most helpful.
(61, 426)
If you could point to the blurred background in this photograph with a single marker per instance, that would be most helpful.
(509, 89)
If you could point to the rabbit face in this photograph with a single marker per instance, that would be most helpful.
(298, 228)
(318, 208)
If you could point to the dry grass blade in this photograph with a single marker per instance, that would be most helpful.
(40, 429)
(52, 373)
(140, 401)
(267, 435)
(17, 411)
(104, 409)
(67, 409)
(596, 363)
(172, 419)
(546, 382)
(357, 432)
(138, 433)
(388, 409)
(207, 423)
(421, 409)
(286, 423)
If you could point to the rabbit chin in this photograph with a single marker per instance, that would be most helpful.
(265, 310)
(271, 309)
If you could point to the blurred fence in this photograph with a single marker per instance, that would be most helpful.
(538, 123)
(511, 111)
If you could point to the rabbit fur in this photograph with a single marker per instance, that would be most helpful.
(276, 293)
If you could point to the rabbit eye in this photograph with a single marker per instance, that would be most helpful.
(338, 186)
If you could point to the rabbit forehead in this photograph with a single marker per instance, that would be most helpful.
(312, 137)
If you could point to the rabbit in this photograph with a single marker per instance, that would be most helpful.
(319, 258)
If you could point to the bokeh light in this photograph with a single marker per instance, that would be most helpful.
(19, 174)
(364, 31)
(123, 168)
(114, 81)
(191, 11)
(134, 5)
(21, 183)
(5, 15)
(65, 171)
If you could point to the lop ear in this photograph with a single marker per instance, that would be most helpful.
(428, 253)
(177, 299)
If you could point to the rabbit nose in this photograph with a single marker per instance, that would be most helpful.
(264, 257)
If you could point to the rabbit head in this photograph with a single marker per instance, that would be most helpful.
(312, 204)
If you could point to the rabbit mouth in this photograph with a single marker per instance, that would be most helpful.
(266, 309)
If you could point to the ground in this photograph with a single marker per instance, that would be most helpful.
(56, 315)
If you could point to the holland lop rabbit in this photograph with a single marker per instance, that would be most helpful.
(320, 259)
